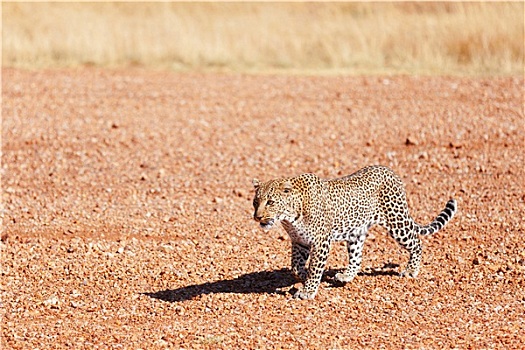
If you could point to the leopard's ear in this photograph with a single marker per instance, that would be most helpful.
(287, 187)
(256, 183)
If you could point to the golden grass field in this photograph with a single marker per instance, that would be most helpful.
(415, 38)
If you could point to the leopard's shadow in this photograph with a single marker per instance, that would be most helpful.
(261, 282)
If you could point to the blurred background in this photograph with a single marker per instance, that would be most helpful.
(481, 38)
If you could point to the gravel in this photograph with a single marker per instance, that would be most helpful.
(127, 210)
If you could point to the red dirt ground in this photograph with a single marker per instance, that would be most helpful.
(127, 210)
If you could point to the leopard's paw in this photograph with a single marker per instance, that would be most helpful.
(409, 273)
(303, 294)
(343, 277)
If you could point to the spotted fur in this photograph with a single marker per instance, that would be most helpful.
(315, 212)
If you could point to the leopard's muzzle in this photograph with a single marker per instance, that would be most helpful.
(265, 223)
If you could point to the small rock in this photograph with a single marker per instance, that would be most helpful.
(455, 144)
(411, 141)
(165, 248)
(53, 302)
(179, 310)
(423, 155)
(162, 343)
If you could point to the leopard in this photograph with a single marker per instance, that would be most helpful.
(316, 212)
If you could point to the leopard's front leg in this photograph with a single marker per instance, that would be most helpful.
(300, 254)
(319, 255)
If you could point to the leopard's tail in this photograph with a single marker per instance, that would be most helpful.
(441, 220)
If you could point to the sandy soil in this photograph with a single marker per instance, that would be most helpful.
(127, 210)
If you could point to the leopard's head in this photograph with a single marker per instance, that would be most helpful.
(275, 200)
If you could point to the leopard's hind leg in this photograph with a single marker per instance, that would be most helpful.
(408, 238)
(406, 232)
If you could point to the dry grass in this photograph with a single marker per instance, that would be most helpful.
(435, 38)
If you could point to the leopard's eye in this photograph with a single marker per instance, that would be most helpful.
(269, 202)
